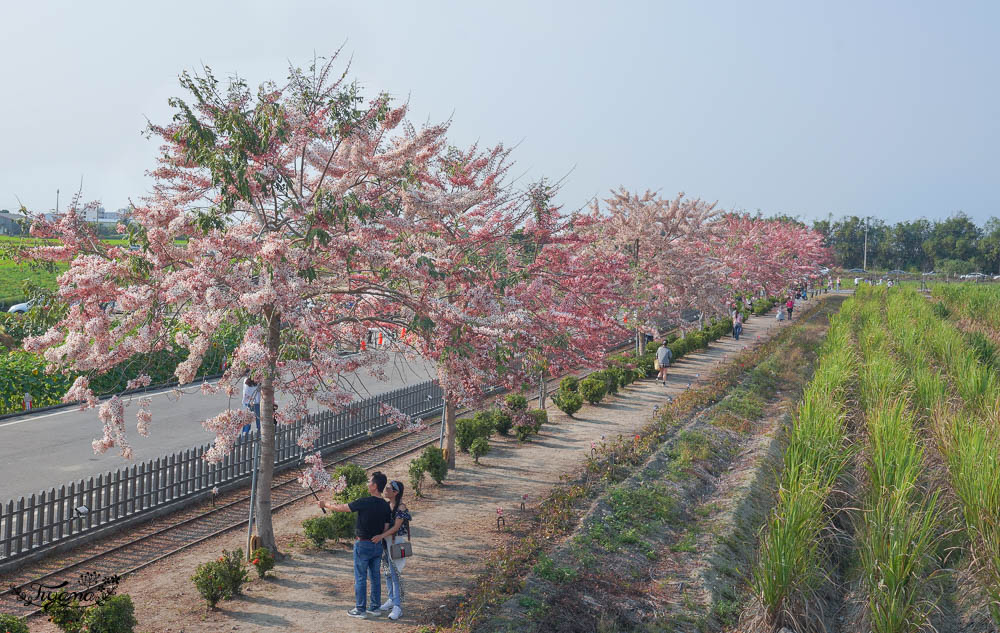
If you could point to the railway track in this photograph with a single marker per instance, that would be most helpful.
(143, 547)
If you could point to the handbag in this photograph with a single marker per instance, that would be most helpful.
(401, 551)
(656, 364)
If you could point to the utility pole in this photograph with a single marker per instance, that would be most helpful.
(865, 264)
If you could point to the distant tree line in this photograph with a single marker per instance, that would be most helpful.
(956, 245)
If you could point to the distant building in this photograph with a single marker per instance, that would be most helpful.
(9, 225)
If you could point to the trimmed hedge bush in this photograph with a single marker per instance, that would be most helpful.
(479, 447)
(569, 402)
(432, 462)
(569, 383)
(468, 430)
(540, 417)
(12, 624)
(516, 402)
(593, 389)
(502, 421)
(114, 615)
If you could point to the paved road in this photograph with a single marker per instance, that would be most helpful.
(49, 449)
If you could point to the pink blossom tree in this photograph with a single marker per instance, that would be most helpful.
(571, 287)
(281, 210)
(766, 255)
(669, 244)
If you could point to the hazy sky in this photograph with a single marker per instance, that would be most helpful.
(881, 108)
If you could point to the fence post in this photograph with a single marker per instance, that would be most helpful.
(8, 519)
(61, 512)
(18, 532)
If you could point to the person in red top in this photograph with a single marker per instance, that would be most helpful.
(789, 305)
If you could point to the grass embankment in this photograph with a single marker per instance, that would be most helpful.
(650, 506)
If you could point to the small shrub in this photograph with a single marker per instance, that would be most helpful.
(209, 580)
(569, 402)
(616, 376)
(569, 383)
(12, 624)
(502, 422)
(263, 559)
(234, 572)
(353, 493)
(539, 417)
(479, 447)
(65, 613)
(114, 615)
(523, 432)
(593, 390)
(485, 419)
(317, 530)
(352, 473)
(516, 402)
(644, 365)
(469, 429)
(434, 463)
(417, 470)
(630, 375)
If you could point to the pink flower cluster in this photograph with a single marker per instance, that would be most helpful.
(315, 476)
(227, 427)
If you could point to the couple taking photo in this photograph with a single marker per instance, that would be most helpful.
(381, 540)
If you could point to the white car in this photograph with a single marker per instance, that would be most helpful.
(21, 308)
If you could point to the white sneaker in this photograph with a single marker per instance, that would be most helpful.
(386, 606)
(396, 612)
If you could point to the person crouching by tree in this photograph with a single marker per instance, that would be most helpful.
(398, 532)
(373, 520)
(663, 356)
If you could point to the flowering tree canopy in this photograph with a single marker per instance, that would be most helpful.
(286, 211)
(766, 255)
(668, 241)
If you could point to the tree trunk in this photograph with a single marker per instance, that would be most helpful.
(449, 430)
(265, 529)
(542, 390)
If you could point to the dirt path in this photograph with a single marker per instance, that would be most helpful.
(453, 528)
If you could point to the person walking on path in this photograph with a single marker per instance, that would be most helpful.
(663, 358)
(790, 305)
(373, 520)
(251, 400)
(737, 325)
(398, 532)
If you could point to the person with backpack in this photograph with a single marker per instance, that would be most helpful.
(392, 541)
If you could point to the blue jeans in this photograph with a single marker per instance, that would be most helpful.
(737, 330)
(392, 582)
(255, 409)
(367, 556)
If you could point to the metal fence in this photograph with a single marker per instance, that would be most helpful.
(39, 522)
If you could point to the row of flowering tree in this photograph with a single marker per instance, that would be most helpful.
(306, 214)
